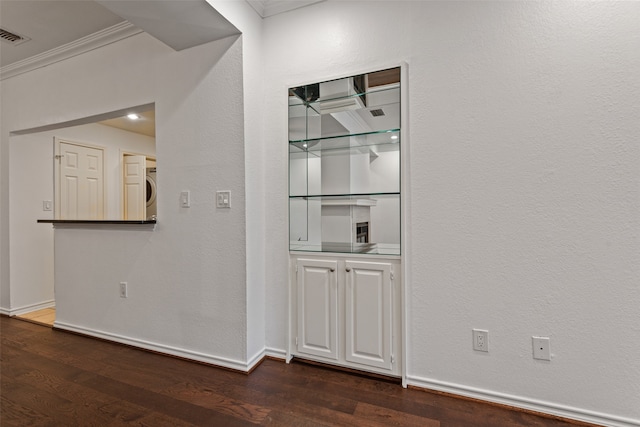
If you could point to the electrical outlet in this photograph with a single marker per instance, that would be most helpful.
(541, 348)
(480, 340)
(123, 290)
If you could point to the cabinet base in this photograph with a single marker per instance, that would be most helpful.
(364, 373)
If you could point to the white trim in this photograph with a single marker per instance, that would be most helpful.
(159, 348)
(276, 7)
(276, 353)
(405, 220)
(265, 352)
(255, 360)
(258, 6)
(541, 406)
(85, 44)
(28, 308)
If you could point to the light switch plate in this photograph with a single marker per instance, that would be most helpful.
(185, 199)
(47, 205)
(223, 199)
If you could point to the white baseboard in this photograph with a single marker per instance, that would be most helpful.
(276, 353)
(255, 360)
(524, 403)
(5, 311)
(236, 365)
(29, 308)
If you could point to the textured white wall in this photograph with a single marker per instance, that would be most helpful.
(187, 279)
(523, 123)
(243, 17)
(5, 291)
(31, 263)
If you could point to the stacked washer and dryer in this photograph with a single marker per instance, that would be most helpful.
(152, 210)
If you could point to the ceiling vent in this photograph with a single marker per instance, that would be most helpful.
(377, 113)
(12, 38)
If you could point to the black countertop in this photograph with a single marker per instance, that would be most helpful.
(96, 221)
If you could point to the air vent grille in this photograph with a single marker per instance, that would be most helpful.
(377, 113)
(12, 38)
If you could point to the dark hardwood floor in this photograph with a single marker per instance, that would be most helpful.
(54, 378)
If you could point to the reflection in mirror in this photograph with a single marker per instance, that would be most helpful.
(344, 164)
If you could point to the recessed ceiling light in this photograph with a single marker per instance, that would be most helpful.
(133, 116)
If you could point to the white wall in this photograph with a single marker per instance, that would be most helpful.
(5, 291)
(524, 187)
(31, 263)
(187, 279)
(243, 17)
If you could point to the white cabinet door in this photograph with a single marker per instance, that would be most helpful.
(368, 303)
(317, 308)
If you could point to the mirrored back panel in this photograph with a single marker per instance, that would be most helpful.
(344, 164)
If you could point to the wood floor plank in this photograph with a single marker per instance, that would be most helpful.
(156, 402)
(46, 316)
(17, 414)
(155, 419)
(287, 419)
(54, 378)
(391, 417)
(218, 402)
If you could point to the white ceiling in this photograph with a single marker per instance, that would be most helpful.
(49, 24)
(58, 29)
(144, 125)
(52, 24)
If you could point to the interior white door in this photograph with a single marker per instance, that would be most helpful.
(317, 290)
(368, 307)
(79, 181)
(135, 179)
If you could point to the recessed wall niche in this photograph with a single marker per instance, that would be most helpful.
(344, 165)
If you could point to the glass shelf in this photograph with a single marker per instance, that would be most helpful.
(338, 198)
(356, 169)
(344, 165)
(368, 139)
(358, 223)
(346, 248)
(359, 113)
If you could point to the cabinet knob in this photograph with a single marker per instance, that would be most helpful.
(348, 269)
(332, 270)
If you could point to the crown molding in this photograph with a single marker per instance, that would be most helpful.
(266, 8)
(85, 44)
(258, 6)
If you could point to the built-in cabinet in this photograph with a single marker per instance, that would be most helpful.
(347, 312)
(345, 222)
